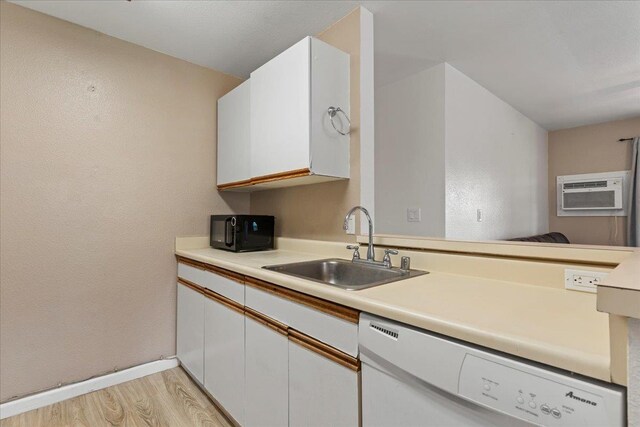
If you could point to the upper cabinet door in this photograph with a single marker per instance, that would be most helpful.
(234, 135)
(280, 104)
(329, 88)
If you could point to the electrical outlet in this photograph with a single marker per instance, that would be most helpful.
(583, 280)
(351, 225)
(414, 214)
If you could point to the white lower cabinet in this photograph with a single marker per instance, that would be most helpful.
(266, 376)
(322, 392)
(190, 331)
(224, 356)
(267, 360)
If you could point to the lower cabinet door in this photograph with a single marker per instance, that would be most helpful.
(190, 331)
(224, 356)
(266, 376)
(322, 392)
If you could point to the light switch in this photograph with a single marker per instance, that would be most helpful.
(414, 214)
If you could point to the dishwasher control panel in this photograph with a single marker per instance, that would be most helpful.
(539, 396)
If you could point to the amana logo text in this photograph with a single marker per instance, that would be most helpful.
(573, 396)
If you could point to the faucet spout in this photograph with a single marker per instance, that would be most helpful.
(370, 250)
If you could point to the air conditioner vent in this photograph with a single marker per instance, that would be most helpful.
(389, 332)
(590, 184)
(593, 194)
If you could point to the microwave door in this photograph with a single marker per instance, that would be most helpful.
(258, 233)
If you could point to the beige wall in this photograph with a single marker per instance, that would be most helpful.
(107, 154)
(585, 149)
(317, 211)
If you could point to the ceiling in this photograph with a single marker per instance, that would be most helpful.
(560, 63)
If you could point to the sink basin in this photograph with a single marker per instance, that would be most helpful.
(344, 274)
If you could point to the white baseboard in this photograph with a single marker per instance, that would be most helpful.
(48, 397)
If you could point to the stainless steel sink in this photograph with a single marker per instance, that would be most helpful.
(344, 274)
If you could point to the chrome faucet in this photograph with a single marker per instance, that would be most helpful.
(371, 256)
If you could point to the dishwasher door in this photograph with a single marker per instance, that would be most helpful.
(391, 397)
(412, 377)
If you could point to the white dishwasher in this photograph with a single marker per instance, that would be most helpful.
(411, 377)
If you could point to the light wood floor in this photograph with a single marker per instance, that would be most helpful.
(168, 398)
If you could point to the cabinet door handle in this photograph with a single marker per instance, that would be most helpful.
(229, 231)
(333, 112)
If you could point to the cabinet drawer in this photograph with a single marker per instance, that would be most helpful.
(192, 273)
(225, 283)
(330, 329)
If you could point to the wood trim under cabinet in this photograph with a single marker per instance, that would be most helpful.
(324, 350)
(337, 310)
(235, 184)
(280, 328)
(229, 303)
(297, 173)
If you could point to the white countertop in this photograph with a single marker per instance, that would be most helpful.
(549, 325)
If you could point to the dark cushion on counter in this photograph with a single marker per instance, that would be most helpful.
(553, 237)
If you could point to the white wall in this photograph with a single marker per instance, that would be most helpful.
(496, 160)
(409, 154)
(448, 146)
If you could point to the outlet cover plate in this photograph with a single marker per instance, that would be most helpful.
(414, 214)
(583, 280)
(351, 228)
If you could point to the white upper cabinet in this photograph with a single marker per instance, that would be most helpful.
(234, 135)
(292, 138)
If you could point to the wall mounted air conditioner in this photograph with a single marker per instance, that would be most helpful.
(593, 194)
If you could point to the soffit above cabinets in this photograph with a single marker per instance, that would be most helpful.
(561, 64)
(235, 37)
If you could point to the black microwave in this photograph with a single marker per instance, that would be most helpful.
(242, 233)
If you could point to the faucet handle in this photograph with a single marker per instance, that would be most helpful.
(387, 257)
(356, 251)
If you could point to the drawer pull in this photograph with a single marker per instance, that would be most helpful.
(231, 304)
(340, 311)
(324, 350)
(281, 328)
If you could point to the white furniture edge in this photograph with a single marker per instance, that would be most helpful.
(48, 397)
